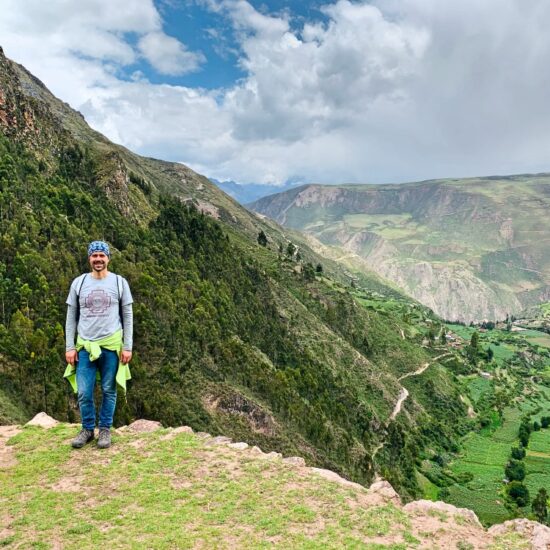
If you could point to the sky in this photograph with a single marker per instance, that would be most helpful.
(278, 91)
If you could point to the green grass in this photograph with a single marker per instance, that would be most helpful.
(149, 491)
(430, 491)
(537, 462)
(478, 387)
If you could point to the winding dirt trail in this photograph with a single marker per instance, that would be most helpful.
(404, 394)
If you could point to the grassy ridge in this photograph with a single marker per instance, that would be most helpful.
(166, 490)
(160, 493)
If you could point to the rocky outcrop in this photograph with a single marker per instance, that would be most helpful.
(538, 535)
(42, 420)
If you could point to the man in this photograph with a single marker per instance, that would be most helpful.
(100, 310)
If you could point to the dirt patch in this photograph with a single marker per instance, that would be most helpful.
(448, 530)
(7, 453)
(70, 484)
(6, 530)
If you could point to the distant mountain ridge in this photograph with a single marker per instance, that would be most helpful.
(249, 192)
(470, 249)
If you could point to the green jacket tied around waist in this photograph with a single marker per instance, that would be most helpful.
(112, 343)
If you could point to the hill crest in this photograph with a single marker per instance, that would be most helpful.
(182, 488)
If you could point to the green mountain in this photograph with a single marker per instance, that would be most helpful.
(271, 344)
(470, 249)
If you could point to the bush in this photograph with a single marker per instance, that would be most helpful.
(518, 493)
(515, 470)
(539, 505)
(518, 453)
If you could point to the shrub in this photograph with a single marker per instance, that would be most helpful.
(539, 505)
(518, 493)
(518, 453)
(515, 470)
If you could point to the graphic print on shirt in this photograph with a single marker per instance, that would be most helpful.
(97, 303)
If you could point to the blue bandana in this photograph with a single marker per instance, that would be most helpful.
(99, 246)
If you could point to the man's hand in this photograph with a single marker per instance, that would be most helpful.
(70, 356)
(125, 356)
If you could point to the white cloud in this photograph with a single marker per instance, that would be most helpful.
(387, 90)
(168, 55)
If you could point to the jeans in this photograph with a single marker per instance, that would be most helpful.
(106, 364)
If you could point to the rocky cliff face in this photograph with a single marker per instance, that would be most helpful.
(469, 249)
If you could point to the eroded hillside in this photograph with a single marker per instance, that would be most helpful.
(470, 249)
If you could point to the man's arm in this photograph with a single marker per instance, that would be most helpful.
(70, 331)
(128, 324)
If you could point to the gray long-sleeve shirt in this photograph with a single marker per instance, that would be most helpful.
(99, 309)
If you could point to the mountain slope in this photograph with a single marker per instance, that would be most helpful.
(231, 337)
(470, 249)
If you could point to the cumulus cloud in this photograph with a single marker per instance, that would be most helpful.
(385, 90)
(168, 55)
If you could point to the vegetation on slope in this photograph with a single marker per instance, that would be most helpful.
(508, 392)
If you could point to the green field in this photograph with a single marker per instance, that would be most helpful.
(478, 387)
(460, 330)
(537, 462)
(485, 457)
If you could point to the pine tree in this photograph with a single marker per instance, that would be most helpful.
(262, 238)
(539, 505)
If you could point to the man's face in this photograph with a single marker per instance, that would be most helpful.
(99, 261)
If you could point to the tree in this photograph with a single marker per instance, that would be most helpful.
(308, 273)
(515, 470)
(525, 432)
(474, 340)
(262, 238)
(545, 422)
(319, 269)
(518, 492)
(540, 505)
(518, 453)
(290, 250)
(536, 426)
(490, 354)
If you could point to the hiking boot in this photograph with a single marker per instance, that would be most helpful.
(104, 439)
(82, 438)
